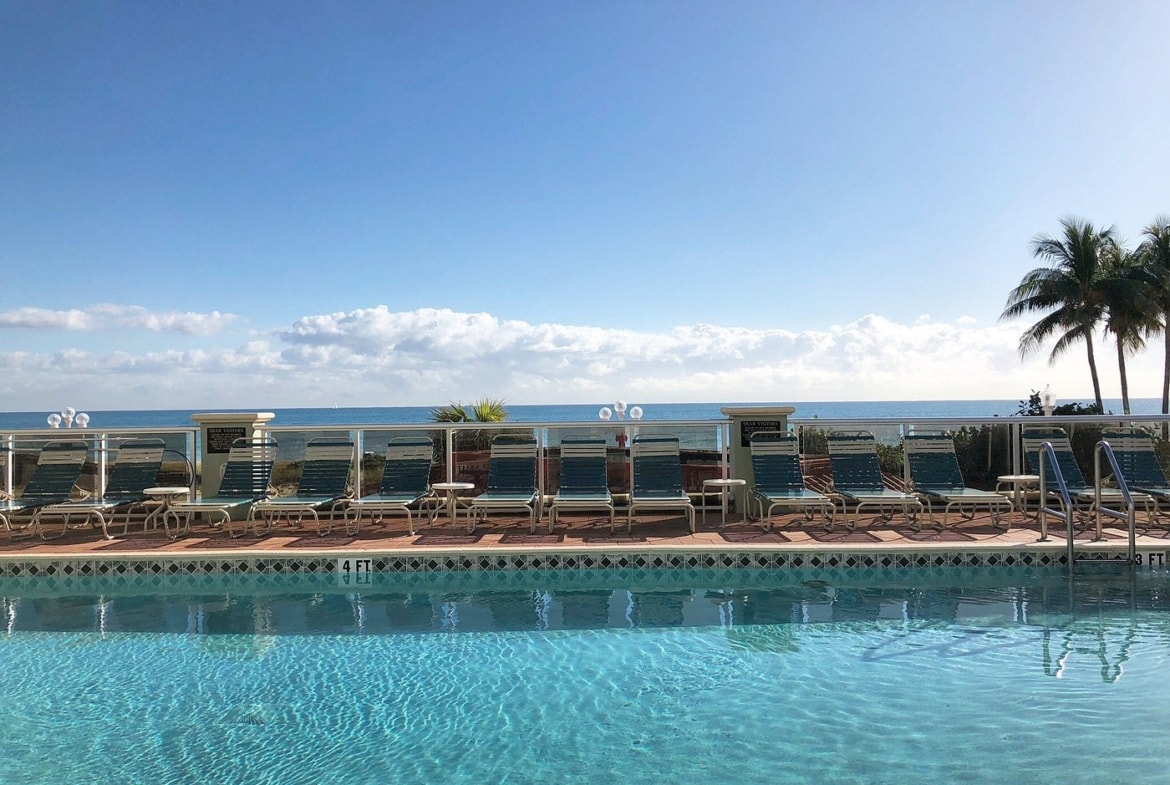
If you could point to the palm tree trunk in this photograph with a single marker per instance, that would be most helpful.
(1124, 378)
(1093, 371)
(1166, 380)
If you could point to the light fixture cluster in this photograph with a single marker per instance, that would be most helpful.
(619, 407)
(1047, 401)
(68, 415)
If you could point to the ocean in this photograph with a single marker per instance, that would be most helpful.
(406, 415)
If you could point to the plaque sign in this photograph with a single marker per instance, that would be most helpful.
(220, 437)
(748, 427)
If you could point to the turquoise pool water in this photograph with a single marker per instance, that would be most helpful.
(965, 676)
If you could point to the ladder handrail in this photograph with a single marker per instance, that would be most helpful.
(1064, 514)
(1129, 514)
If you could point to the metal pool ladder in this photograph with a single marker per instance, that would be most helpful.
(1129, 514)
(1066, 512)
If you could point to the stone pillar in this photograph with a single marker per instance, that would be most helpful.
(217, 431)
(746, 420)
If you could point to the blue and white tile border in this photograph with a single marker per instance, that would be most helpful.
(407, 563)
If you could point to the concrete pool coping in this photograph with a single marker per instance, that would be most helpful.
(506, 544)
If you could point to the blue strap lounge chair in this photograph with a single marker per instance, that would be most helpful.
(779, 481)
(246, 474)
(322, 488)
(137, 463)
(935, 476)
(584, 482)
(857, 477)
(511, 483)
(1138, 460)
(656, 481)
(1082, 494)
(53, 479)
(406, 482)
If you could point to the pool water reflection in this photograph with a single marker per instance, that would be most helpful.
(731, 676)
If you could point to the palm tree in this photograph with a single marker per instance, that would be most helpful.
(1154, 253)
(1129, 316)
(1067, 292)
(484, 410)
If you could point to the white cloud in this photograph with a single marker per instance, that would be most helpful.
(376, 357)
(114, 317)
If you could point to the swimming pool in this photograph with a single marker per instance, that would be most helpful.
(639, 676)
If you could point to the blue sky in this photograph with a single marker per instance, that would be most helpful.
(281, 204)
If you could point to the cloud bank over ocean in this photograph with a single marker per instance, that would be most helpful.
(381, 357)
(111, 317)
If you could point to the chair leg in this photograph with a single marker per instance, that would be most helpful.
(352, 529)
(106, 528)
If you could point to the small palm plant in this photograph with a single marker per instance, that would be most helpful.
(486, 410)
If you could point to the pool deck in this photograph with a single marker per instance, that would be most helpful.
(583, 533)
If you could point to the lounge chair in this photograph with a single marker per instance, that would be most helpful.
(857, 478)
(779, 481)
(56, 473)
(322, 487)
(136, 467)
(657, 478)
(584, 483)
(511, 483)
(246, 475)
(1081, 493)
(406, 481)
(1138, 461)
(935, 476)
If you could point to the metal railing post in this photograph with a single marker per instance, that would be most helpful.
(103, 458)
(449, 447)
(10, 460)
(358, 436)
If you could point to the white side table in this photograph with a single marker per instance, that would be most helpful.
(164, 496)
(1018, 483)
(723, 485)
(452, 490)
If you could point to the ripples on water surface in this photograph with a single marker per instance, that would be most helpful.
(782, 677)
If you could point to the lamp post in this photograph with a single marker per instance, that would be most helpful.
(68, 415)
(1047, 401)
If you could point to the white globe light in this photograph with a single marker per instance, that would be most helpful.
(54, 420)
(619, 407)
(635, 412)
(82, 420)
(68, 412)
(605, 413)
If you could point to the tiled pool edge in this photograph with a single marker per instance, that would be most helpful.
(535, 558)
